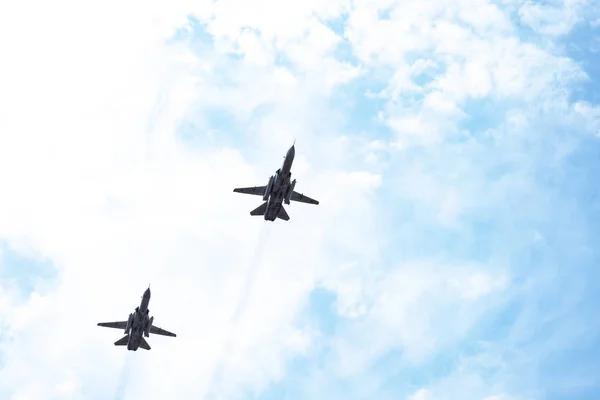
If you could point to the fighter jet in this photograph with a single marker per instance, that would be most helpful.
(279, 190)
(138, 323)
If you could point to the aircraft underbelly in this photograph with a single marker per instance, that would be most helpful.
(273, 211)
(133, 344)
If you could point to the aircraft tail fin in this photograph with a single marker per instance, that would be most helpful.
(283, 214)
(260, 210)
(144, 345)
(123, 341)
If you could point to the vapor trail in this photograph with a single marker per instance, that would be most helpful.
(242, 302)
(124, 377)
(251, 273)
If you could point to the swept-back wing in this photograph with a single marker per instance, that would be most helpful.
(256, 190)
(117, 325)
(302, 198)
(157, 331)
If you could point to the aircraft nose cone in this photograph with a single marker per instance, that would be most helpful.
(291, 152)
(147, 293)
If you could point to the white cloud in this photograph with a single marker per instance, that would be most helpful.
(468, 58)
(590, 114)
(97, 181)
(551, 19)
(421, 394)
(414, 295)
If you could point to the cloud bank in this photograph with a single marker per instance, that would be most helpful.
(453, 146)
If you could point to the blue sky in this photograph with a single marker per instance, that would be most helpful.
(453, 146)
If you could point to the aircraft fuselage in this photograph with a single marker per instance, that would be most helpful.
(279, 186)
(139, 321)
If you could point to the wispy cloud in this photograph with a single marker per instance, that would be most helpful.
(450, 143)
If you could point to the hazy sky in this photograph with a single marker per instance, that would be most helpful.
(452, 144)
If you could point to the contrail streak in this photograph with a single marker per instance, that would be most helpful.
(241, 303)
(251, 273)
(124, 377)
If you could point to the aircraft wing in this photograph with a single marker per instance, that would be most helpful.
(117, 325)
(256, 190)
(157, 331)
(302, 198)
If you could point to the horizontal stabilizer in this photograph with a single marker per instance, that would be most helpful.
(255, 190)
(260, 210)
(123, 341)
(144, 345)
(283, 214)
